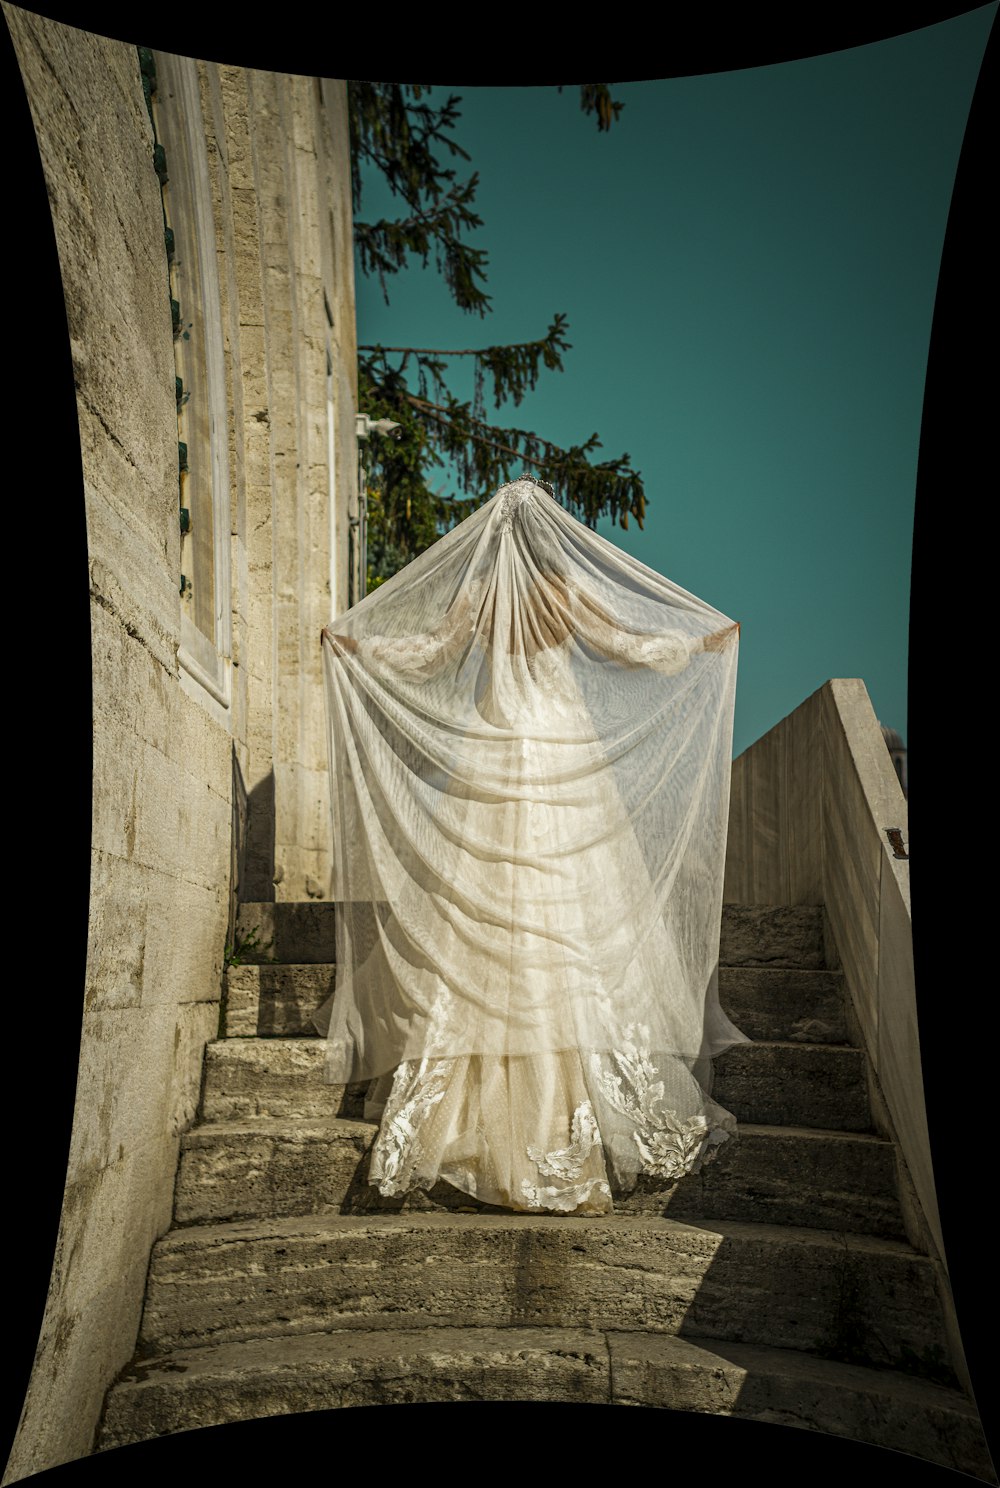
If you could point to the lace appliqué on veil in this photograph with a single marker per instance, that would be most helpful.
(416, 655)
(566, 1163)
(417, 1086)
(396, 1154)
(515, 493)
(565, 1200)
(668, 651)
(668, 1146)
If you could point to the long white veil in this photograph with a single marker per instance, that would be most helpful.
(530, 746)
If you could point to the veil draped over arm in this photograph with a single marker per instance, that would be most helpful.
(530, 752)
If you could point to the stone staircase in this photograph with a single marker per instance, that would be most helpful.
(777, 1285)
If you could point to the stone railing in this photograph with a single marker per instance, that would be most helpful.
(813, 805)
(817, 816)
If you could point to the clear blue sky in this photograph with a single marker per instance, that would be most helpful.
(748, 261)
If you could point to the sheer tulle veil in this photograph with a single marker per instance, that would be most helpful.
(530, 749)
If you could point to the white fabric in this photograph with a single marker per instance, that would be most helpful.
(530, 751)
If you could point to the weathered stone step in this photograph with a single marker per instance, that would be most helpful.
(275, 1001)
(752, 934)
(765, 1084)
(295, 932)
(857, 1298)
(773, 935)
(322, 1371)
(776, 1175)
(765, 1002)
(805, 1007)
(819, 1085)
(245, 1078)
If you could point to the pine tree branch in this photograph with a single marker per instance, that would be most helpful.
(434, 351)
(514, 369)
(439, 412)
(396, 132)
(595, 98)
(467, 351)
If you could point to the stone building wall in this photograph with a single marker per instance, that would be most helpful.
(209, 747)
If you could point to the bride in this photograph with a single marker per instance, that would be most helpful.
(530, 740)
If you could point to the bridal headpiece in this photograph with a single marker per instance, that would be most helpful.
(515, 495)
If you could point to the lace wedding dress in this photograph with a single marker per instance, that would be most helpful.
(530, 805)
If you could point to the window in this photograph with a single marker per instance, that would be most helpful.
(202, 413)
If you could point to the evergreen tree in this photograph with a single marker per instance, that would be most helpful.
(396, 130)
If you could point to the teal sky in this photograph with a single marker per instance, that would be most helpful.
(748, 261)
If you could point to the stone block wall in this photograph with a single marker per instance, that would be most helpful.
(176, 771)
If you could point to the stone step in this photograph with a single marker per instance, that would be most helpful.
(321, 1371)
(803, 1007)
(776, 1175)
(770, 1084)
(246, 1078)
(297, 932)
(773, 935)
(752, 934)
(860, 1299)
(765, 1002)
(766, 1084)
(275, 1001)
